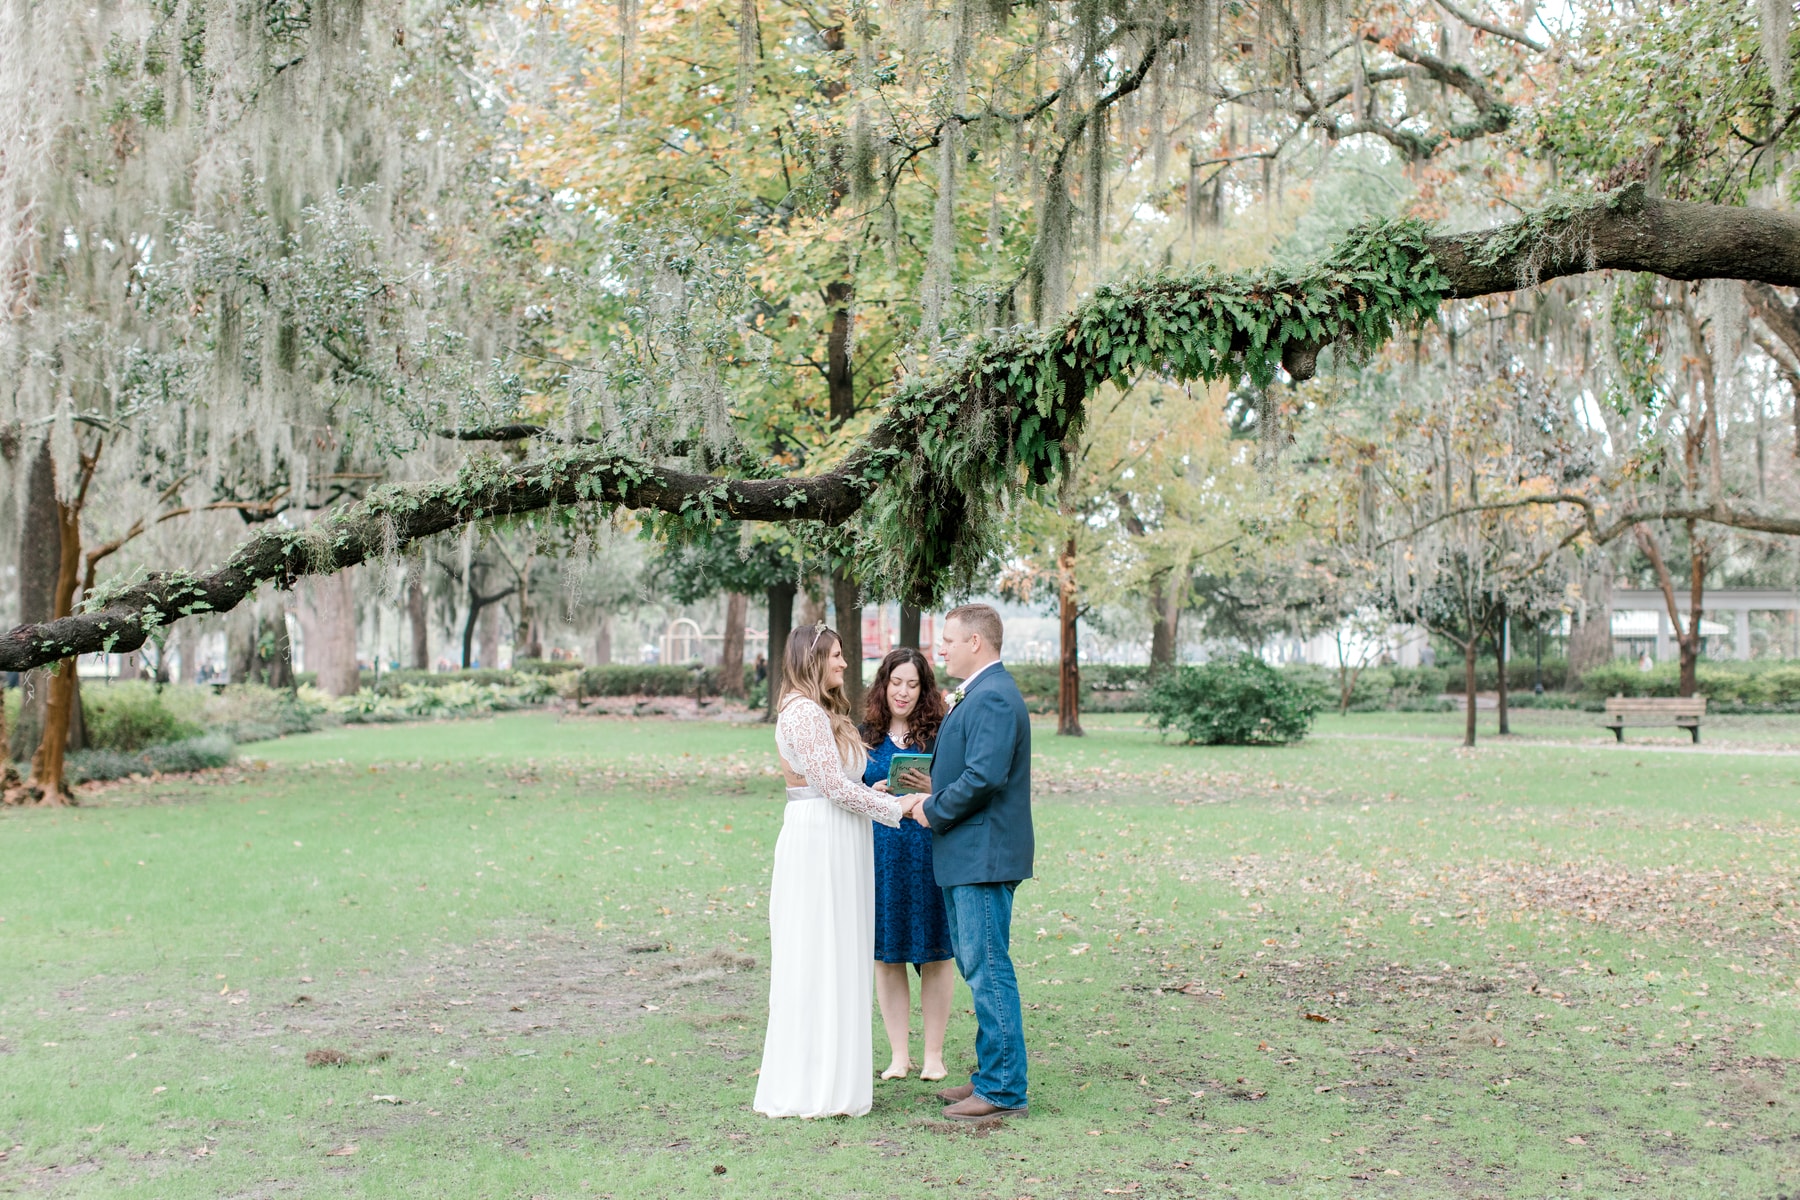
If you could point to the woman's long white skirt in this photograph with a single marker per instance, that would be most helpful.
(816, 1055)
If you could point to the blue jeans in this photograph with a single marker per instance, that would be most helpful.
(980, 930)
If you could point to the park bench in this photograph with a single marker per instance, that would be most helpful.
(1684, 711)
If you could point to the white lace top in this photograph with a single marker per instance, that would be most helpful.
(803, 737)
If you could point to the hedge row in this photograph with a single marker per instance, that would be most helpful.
(1752, 684)
(653, 679)
(168, 758)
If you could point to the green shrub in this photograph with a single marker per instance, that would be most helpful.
(1235, 702)
(251, 712)
(653, 679)
(1521, 674)
(1747, 685)
(1418, 683)
(543, 666)
(1784, 683)
(130, 715)
(1039, 681)
(189, 754)
(1427, 704)
(394, 683)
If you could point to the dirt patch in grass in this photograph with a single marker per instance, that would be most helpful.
(1183, 786)
(487, 994)
(1740, 909)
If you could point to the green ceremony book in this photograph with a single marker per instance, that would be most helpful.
(902, 762)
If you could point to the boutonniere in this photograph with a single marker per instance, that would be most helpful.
(956, 696)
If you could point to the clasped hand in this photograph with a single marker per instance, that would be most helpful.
(913, 804)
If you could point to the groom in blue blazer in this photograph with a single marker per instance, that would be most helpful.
(979, 815)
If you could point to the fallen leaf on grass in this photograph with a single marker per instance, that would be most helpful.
(387, 1099)
(1576, 1140)
(1318, 1017)
(342, 1151)
(1124, 1191)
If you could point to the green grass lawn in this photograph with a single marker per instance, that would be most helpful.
(1372, 965)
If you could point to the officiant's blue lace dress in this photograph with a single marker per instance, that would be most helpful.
(910, 923)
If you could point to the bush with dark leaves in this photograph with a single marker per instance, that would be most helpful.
(1234, 702)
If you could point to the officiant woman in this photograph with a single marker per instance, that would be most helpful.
(904, 711)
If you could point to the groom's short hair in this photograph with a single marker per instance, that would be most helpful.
(982, 619)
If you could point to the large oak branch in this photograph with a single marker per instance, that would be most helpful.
(1624, 231)
(398, 515)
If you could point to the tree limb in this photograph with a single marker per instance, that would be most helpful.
(1475, 21)
(514, 433)
(1625, 230)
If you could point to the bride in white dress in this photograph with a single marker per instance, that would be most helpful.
(817, 1060)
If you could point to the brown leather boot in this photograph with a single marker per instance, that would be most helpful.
(977, 1109)
(951, 1095)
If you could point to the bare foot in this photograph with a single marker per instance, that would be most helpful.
(898, 1070)
(933, 1072)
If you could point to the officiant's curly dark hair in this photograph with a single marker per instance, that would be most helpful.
(923, 721)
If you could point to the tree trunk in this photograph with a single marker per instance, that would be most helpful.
(1068, 681)
(1690, 644)
(812, 605)
(731, 655)
(846, 602)
(603, 641)
(488, 630)
(468, 638)
(840, 378)
(188, 647)
(1500, 661)
(1347, 677)
(40, 561)
(418, 623)
(781, 623)
(1590, 643)
(1687, 641)
(64, 700)
(1470, 649)
(329, 619)
(240, 645)
(1166, 599)
(160, 641)
(278, 663)
(909, 627)
(9, 775)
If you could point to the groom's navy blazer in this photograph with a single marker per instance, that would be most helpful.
(980, 806)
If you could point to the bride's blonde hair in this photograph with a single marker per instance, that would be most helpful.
(803, 674)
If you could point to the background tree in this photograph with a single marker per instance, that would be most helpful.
(634, 356)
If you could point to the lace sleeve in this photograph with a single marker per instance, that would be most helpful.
(806, 735)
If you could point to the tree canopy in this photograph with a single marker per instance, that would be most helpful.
(865, 268)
